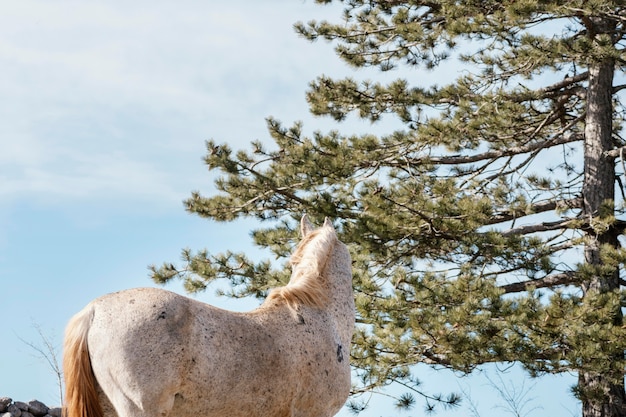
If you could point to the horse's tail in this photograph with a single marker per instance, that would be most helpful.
(81, 395)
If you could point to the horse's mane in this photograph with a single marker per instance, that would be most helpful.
(307, 286)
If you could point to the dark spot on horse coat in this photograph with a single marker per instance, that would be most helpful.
(161, 316)
(300, 319)
(339, 353)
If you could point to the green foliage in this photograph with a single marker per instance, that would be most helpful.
(472, 237)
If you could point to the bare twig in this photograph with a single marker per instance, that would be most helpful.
(49, 353)
(516, 398)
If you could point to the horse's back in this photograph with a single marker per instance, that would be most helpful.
(268, 362)
(240, 366)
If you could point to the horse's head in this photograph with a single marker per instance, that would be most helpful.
(321, 265)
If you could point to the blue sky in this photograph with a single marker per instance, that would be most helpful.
(105, 110)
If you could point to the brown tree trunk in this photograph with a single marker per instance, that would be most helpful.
(601, 395)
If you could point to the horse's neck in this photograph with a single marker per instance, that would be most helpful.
(342, 308)
(341, 300)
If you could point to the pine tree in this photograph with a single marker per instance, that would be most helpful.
(486, 228)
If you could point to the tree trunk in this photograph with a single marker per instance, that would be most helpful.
(601, 396)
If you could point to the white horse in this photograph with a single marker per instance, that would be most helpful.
(149, 352)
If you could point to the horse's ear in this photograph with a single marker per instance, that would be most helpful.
(328, 223)
(305, 226)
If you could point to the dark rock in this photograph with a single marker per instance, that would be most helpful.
(37, 408)
(21, 405)
(4, 403)
(34, 408)
(15, 412)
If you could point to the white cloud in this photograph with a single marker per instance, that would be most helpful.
(88, 177)
(114, 99)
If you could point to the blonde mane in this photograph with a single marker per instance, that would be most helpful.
(307, 285)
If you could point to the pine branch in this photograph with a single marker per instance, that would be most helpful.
(536, 208)
(564, 88)
(432, 358)
(618, 88)
(614, 153)
(539, 227)
(564, 83)
(512, 151)
(547, 281)
(452, 400)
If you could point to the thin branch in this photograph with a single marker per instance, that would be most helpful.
(49, 354)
